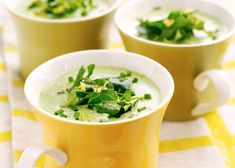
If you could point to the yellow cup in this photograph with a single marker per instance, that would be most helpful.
(129, 143)
(200, 85)
(41, 39)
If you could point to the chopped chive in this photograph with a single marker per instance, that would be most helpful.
(132, 93)
(122, 74)
(76, 115)
(121, 79)
(132, 116)
(71, 79)
(135, 80)
(147, 96)
(74, 108)
(142, 109)
(59, 112)
(63, 115)
(157, 8)
(129, 73)
(61, 92)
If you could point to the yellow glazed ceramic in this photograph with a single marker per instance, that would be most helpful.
(192, 66)
(41, 39)
(129, 143)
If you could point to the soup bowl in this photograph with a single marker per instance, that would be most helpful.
(40, 39)
(125, 143)
(201, 85)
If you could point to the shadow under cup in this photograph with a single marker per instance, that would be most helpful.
(129, 143)
(184, 62)
(40, 39)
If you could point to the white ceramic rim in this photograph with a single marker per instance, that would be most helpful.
(130, 4)
(112, 8)
(165, 101)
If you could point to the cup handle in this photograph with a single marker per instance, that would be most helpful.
(31, 154)
(222, 86)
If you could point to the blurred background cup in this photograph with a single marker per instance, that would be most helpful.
(40, 39)
(200, 84)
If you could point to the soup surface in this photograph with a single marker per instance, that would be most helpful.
(107, 94)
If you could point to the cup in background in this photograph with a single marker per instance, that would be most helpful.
(40, 39)
(128, 143)
(200, 84)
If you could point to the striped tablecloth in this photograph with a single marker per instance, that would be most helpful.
(207, 142)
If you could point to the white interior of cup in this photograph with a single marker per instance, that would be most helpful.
(12, 6)
(37, 80)
(128, 13)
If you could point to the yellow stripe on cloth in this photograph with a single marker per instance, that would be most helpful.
(24, 113)
(229, 65)
(3, 98)
(11, 48)
(40, 162)
(231, 101)
(184, 144)
(5, 136)
(221, 137)
(233, 139)
(17, 83)
(3, 66)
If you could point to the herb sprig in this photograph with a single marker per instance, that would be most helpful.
(111, 95)
(58, 9)
(176, 28)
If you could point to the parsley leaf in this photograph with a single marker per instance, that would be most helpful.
(79, 76)
(109, 107)
(90, 69)
(105, 95)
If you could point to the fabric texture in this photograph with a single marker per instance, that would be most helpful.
(207, 142)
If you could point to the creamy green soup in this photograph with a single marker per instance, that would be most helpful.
(61, 9)
(178, 26)
(107, 94)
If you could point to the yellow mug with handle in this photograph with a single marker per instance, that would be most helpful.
(128, 143)
(200, 84)
(40, 39)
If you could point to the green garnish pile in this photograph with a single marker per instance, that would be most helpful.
(58, 9)
(111, 95)
(176, 28)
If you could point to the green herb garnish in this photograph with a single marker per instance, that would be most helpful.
(76, 115)
(58, 9)
(79, 77)
(157, 8)
(135, 80)
(142, 109)
(147, 96)
(61, 92)
(110, 95)
(59, 112)
(63, 115)
(71, 79)
(176, 28)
